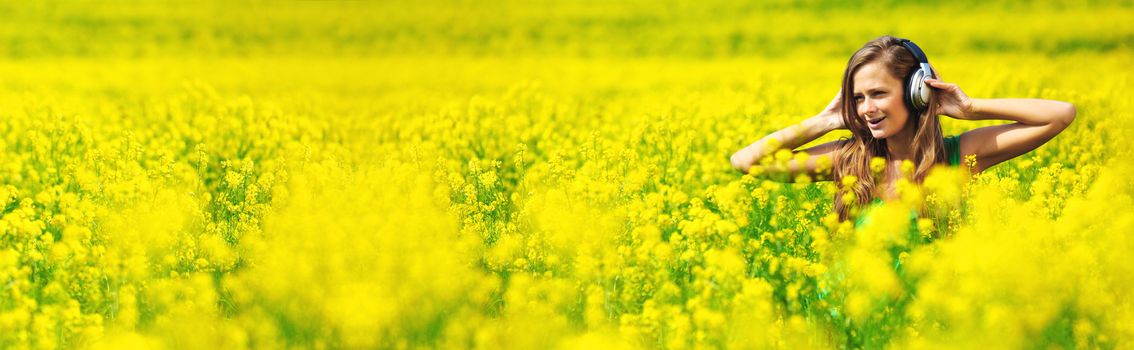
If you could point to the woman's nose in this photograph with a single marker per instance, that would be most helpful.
(867, 107)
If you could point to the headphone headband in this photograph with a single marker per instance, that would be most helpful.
(915, 50)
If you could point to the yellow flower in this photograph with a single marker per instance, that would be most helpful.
(877, 165)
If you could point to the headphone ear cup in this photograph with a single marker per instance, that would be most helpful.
(917, 93)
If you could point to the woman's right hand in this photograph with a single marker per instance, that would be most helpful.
(833, 113)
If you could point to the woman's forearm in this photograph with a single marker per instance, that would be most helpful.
(1023, 110)
(790, 138)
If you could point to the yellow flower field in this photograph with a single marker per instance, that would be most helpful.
(531, 175)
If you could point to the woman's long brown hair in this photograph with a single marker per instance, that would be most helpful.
(855, 154)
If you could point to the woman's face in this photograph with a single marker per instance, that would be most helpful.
(878, 100)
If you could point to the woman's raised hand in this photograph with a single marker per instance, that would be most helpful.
(954, 102)
(833, 113)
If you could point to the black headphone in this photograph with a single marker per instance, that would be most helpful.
(917, 91)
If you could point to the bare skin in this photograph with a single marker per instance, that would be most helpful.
(877, 98)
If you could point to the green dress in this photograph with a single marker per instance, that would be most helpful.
(953, 150)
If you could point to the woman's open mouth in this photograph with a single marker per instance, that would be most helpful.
(874, 124)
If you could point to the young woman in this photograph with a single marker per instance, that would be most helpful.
(891, 112)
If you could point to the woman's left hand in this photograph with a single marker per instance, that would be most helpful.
(954, 102)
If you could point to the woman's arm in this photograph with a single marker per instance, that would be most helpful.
(791, 138)
(1036, 122)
